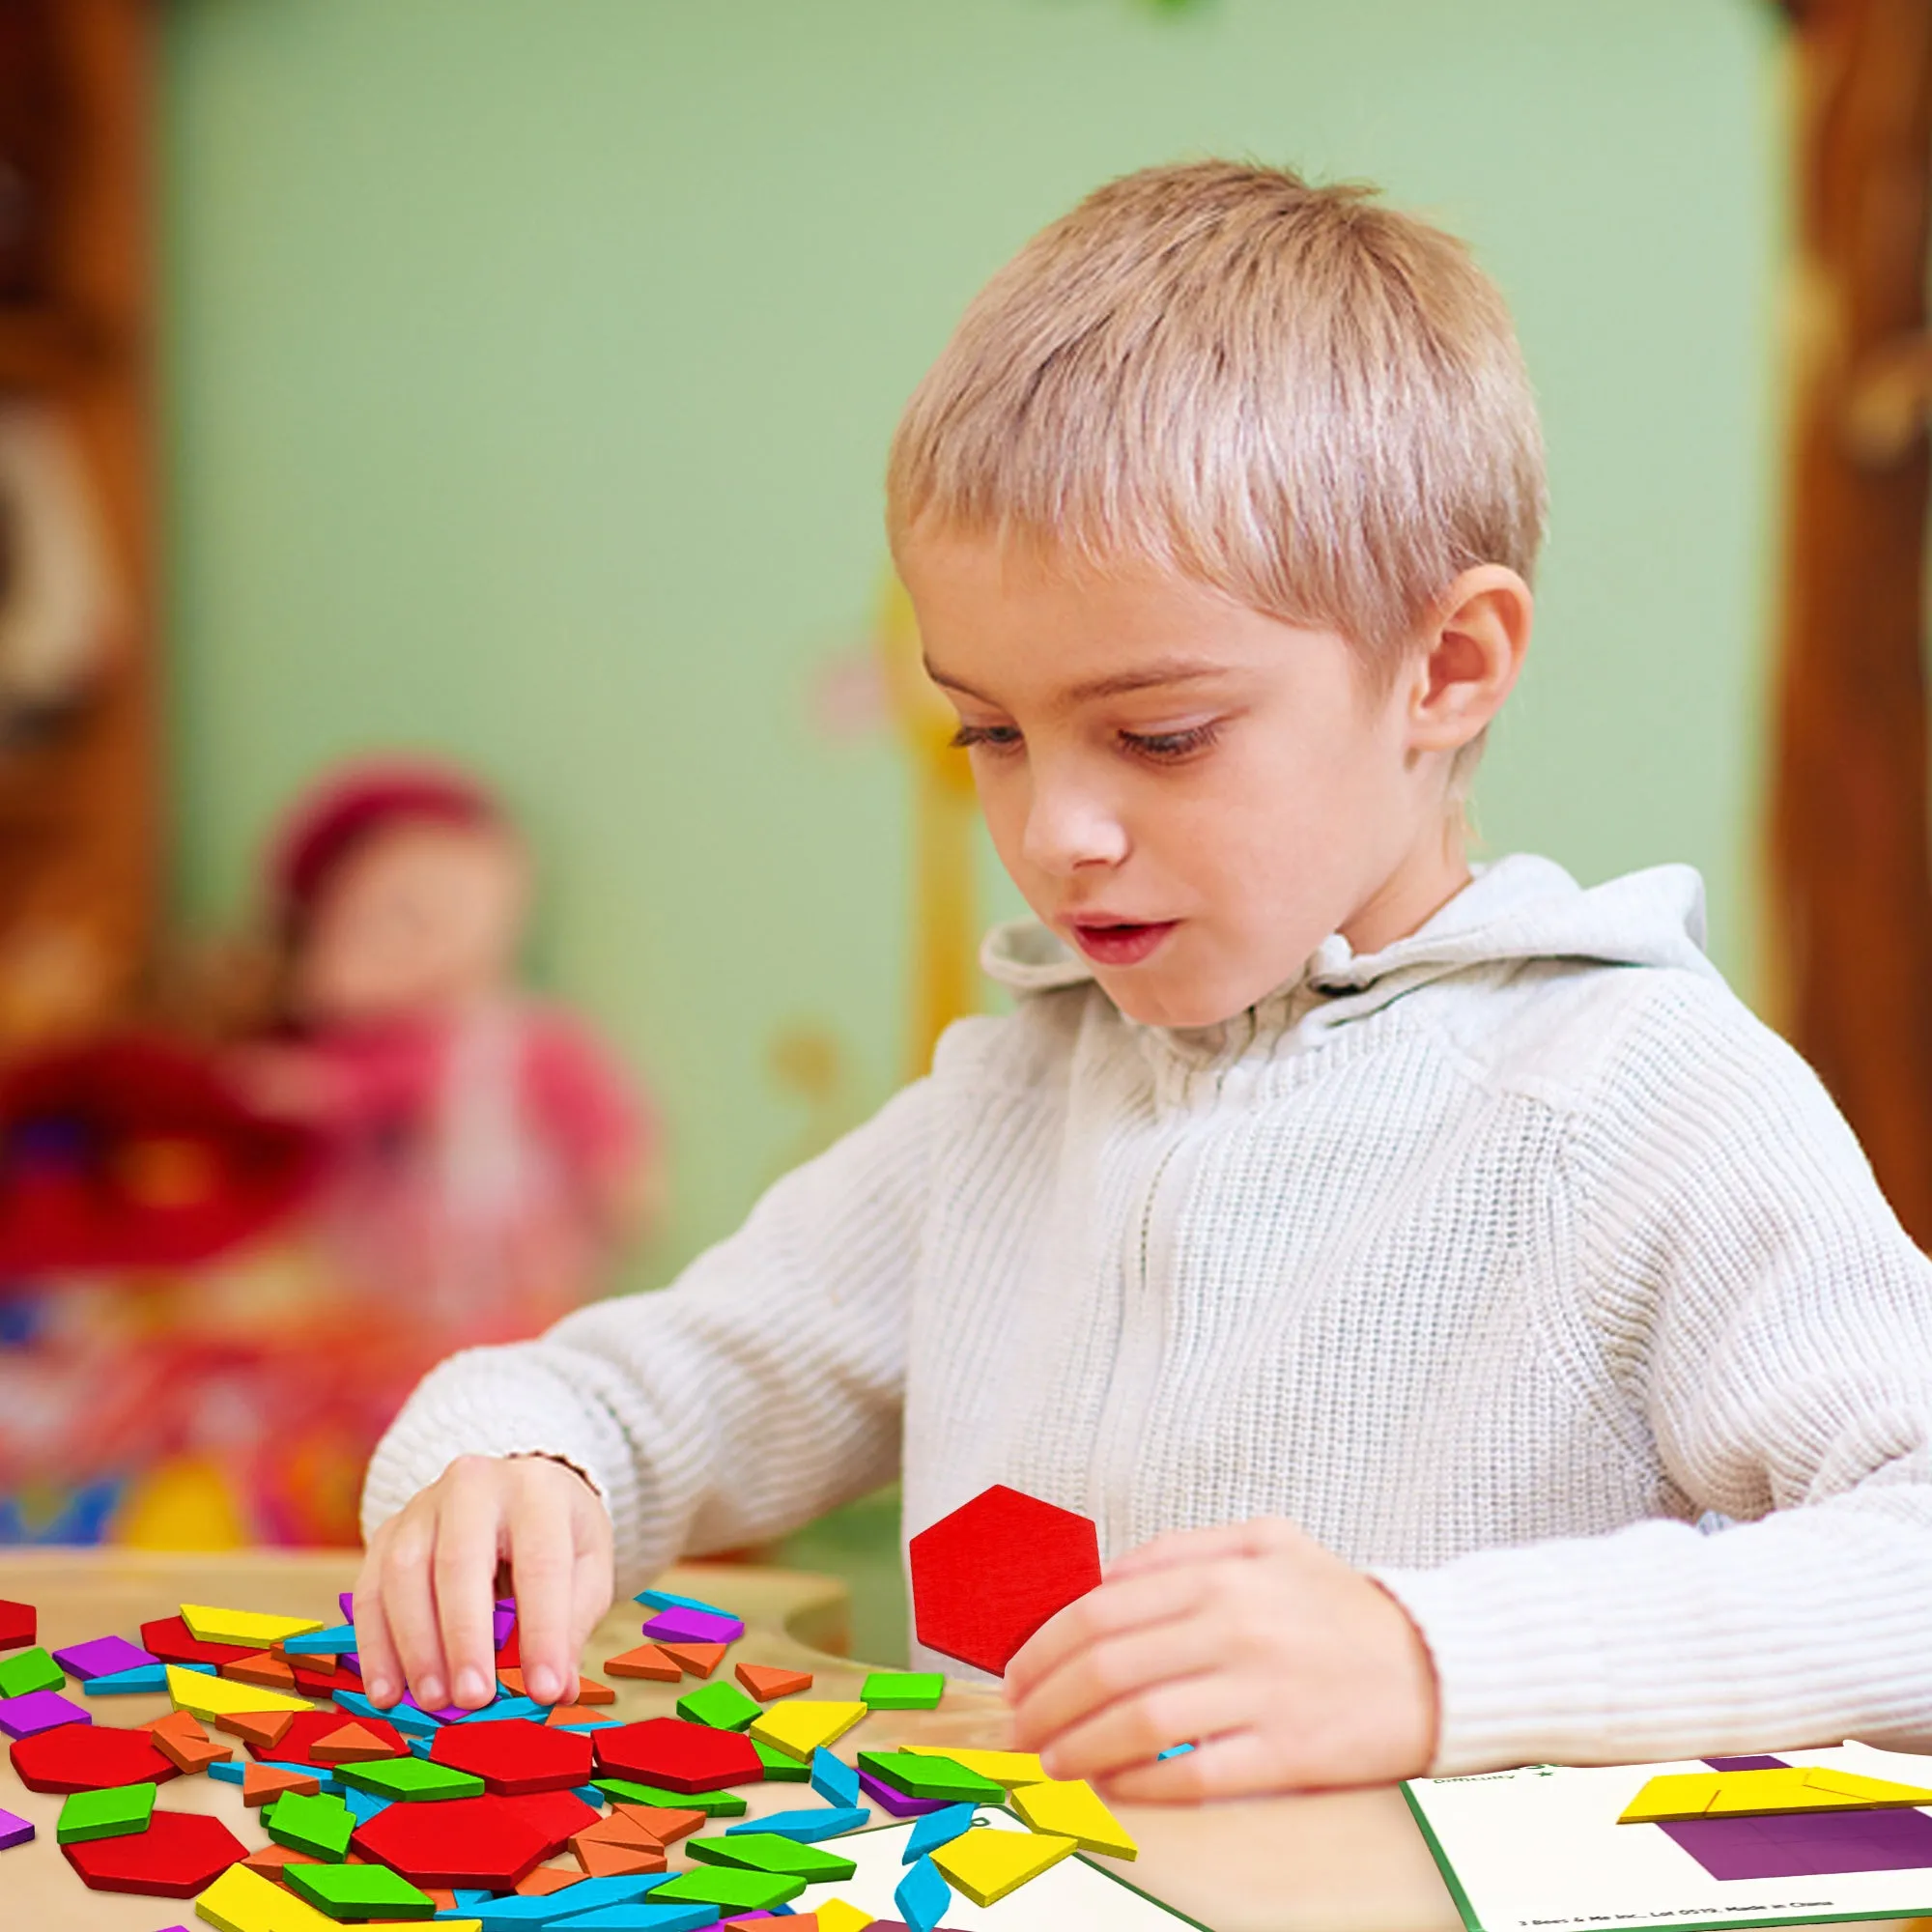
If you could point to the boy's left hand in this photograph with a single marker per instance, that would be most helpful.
(1289, 1668)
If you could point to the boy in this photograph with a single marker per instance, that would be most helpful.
(1396, 1262)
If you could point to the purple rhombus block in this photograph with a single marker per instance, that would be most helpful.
(39, 1711)
(103, 1657)
(682, 1625)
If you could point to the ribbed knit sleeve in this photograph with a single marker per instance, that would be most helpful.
(760, 1388)
(1765, 1321)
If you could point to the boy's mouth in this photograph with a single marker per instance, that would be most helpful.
(1120, 942)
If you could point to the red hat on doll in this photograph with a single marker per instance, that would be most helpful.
(335, 815)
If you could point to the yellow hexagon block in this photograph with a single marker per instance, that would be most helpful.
(247, 1626)
(1008, 1768)
(217, 1696)
(1070, 1807)
(986, 1864)
(799, 1725)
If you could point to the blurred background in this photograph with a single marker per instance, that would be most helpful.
(441, 449)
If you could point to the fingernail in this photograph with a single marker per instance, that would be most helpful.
(429, 1693)
(544, 1687)
(381, 1691)
(471, 1689)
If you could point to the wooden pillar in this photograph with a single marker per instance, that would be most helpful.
(1849, 861)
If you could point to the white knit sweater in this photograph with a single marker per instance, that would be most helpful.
(1495, 1260)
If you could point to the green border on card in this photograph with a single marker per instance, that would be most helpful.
(1475, 1924)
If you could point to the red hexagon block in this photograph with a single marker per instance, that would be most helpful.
(180, 1854)
(488, 1843)
(512, 1755)
(89, 1757)
(675, 1754)
(986, 1577)
(307, 1728)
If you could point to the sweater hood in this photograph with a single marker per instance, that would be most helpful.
(1519, 909)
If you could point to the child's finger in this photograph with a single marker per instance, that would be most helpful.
(409, 1603)
(1255, 1537)
(542, 1567)
(466, 1566)
(1113, 1668)
(1135, 1730)
(375, 1648)
(589, 1595)
(1131, 1602)
(1234, 1765)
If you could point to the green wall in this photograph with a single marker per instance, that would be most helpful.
(529, 369)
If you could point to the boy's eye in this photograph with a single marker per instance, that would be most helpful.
(993, 737)
(1171, 744)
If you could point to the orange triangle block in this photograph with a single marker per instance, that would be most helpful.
(261, 1782)
(588, 1690)
(646, 1660)
(263, 1729)
(271, 1673)
(696, 1659)
(659, 1821)
(186, 1746)
(541, 1882)
(601, 1858)
(351, 1745)
(575, 1713)
(268, 1862)
(766, 1680)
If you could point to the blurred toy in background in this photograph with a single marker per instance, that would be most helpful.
(485, 1153)
(223, 1265)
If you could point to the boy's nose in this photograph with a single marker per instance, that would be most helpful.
(1069, 828)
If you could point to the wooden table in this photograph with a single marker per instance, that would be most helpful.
(1346, 1861)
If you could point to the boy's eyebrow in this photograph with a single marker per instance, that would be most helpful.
(1147, 677)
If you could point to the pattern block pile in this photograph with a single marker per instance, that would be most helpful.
(515, 1815)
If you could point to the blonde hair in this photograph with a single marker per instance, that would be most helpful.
(1294, 394)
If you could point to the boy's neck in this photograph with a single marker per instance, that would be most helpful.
(1430, 876)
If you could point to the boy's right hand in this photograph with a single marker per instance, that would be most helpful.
(427, 1588)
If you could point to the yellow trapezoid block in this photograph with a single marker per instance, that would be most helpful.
(212, 1625)
(217, 1696)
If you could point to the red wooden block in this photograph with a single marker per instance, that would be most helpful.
(986, 1577)
(766, 1680)
(509, 1653)
(173, 1642)
(559, 1814)
(89, 1757)
(315, 1678)
(678, 1756)
(17, 1624)
(296, 1743)
(512, 1755)
(696, 1659)
(180, 1854)
(487, 1844)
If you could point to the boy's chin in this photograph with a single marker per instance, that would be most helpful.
(1179, 1001)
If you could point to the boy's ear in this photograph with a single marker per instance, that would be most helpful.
(1473, 651)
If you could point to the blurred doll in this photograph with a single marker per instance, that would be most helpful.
(487, 1154)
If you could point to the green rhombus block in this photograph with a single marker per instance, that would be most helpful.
(359, 1891)
(722, 1706)
(115, 1813)
(321, 1827)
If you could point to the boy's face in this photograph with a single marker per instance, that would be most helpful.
(1192, 794)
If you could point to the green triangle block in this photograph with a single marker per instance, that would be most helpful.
(409, 1779)
(903, 1690)
(115, 1813)
(319, 1825)
(713, 1804)
(359, 1891)
(772, 1851)
(733, 1886)
(781, 1767)
(29, 1671)
(940, 1777)
(721, 1705)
